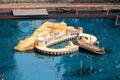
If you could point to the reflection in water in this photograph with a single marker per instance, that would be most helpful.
(79, 73)
(43, 56)
(75, 68)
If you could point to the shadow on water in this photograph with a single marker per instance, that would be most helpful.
(49, 55)
(115, 11)
(88, 52)
(107, 51)
(37, 54)
(42, 56)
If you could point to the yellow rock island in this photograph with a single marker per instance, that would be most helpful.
(45, 30)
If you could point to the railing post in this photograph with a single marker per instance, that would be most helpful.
(108, 12)
(77, 12)
(116, 21)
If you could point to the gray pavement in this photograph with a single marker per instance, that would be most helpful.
(40, 5)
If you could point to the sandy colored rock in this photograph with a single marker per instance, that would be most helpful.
(45, 28)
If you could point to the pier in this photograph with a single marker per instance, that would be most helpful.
(68, 49)
(89, 47)
(29, 12)
(61, 40)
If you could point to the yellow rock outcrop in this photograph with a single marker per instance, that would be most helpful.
(45, 28)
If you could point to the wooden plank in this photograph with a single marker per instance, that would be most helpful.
(29, 12)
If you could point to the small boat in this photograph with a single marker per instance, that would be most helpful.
(90, 47)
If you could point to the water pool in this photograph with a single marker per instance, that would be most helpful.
(80, 66)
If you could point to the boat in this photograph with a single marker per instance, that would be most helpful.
(90, 47)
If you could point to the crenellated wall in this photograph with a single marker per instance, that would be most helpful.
(58, 1)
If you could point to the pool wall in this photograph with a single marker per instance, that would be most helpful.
(60, 1)
(53, 13)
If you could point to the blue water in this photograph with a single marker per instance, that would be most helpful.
(80, 66)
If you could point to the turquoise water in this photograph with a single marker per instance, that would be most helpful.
(80, 66)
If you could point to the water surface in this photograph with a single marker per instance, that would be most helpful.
(80, 66)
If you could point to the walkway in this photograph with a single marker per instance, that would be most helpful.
(83, 6)
(61, 40)
(52, 7)
(55, 52)
(43, 49)
(30, 12)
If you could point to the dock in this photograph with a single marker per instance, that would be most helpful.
(89, 47)
(68, 49)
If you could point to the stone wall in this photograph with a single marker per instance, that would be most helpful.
(59, 1)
